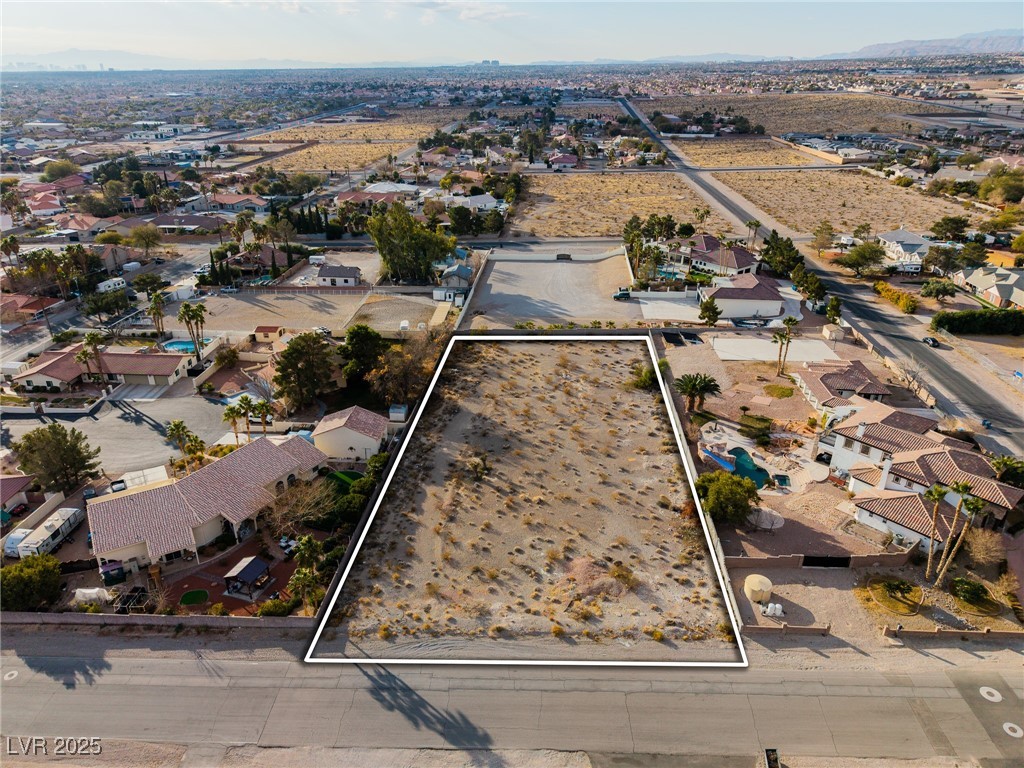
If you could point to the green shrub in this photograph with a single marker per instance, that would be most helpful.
(63, 337)
(967, 590)
(218, 609)
(897, 587)
(274, 608)
(996, 322)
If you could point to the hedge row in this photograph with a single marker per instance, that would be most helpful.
(907, 302)
(997, 322)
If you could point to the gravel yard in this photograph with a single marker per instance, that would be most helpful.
(242, 312)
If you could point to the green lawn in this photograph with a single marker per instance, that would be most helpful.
(195, 597)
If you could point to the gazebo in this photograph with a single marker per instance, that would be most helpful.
(248, 577)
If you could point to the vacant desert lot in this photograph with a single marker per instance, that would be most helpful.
(730, 153)
(336, 157)
(382, 131)
(803, 112)
(540, 512)
(801, 199)
(592, 204)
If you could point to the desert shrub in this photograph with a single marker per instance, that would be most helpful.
(624, 575)
(557, 630)
(218, 609)
(274, 608)
(384, 632)
(985, 547)
(907, 302)
(967, 590)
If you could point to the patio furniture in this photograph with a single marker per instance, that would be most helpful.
(248, 576)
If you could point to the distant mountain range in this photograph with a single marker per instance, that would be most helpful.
(996, 41)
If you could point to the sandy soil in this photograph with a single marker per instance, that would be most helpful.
(386, 313)
(801, 199)
(336, 157)
(580, 520)
(382, 131)
(729, 153)
(804, 112)
(244, 311)
(591, 204)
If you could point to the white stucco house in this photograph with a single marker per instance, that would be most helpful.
(744, 295)
(905, 249)
(354, 434)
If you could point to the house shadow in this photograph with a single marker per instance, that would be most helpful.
(395, 695)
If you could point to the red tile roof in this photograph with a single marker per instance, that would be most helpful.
(62, 366)
(908, 510)
(12, 485)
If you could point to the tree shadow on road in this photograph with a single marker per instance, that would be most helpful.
(395, 695)
(70, 671)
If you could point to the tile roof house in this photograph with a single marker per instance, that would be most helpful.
(171, 518)
(12, 489)
(745, 295)
(231, 202)
(718, 259)
(117, 365)
(999, 286)
(830, 385)
(354, 434)
(903, 514)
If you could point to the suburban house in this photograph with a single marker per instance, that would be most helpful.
(337, 274)
(367, 200)
(907, 515)
(19, 308)
(170, 223)
(13, 489)
(170, 519)
(84, 226)
(745, 295)
(113, 256)
(268, 334)
(905, 248)
(917, 471)
(354, 434)
(563, 162)
(877, 430)
(476, 203)
(44, 204)
(224, 201)
(831, 386)
(117, 365)
(724, 260)
(1002, 287)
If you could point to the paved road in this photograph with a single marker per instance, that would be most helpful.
(726, 713)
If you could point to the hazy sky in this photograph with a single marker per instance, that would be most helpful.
(514, 31)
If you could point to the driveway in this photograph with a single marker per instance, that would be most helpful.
(552, 292)
(130, 434)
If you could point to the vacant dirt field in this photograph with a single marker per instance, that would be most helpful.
(383, 131)
(540, 511)
(730, 153)
(609, 110)
(591, 204)
(335, 157)
(801, 199)
(804, 112)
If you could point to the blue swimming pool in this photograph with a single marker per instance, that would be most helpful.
(182, 346)
(745, 467)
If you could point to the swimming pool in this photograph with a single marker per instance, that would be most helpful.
(182, 346)
(745, 467)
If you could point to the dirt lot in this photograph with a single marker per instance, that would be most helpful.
(386, 313)
(382, 131)
(572, 537)
(804, 112)
(730, 153)
(591, 204)
(244, 311)
(801, 199)
(336, 157)
(549, 292)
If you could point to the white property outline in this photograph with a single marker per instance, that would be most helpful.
(690, 475)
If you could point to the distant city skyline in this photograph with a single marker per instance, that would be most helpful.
(350, 32)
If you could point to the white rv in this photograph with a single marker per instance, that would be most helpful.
(113, 284)
(52, 533)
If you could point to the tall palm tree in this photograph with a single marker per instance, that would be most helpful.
(84, 357)
(695, 387)
(185, 318)
(790, 324)
(779, 337)
(199, 320)
(308, 552)
(303, 584)
(232, 415)
(961, 490)
(178, 434)
(935, 495)
(92, 343)
(246, 406)
(264, 410)
(701, 213)
(10, 246)
(973, 506)
(155, 310)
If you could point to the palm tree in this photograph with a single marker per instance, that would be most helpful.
(84, 357)
(92, 343)
(10, 246)
(195, 448)
(935, 495)
(752, 226)
(264, 410)
(178, 434)
(155, 310)
(303, 584)
(790, 324)
(246, 406)
(199, 320)
(706, 385)
(308, 552)
(973, 505)
(701, 213)
(779, 337)
(695, 387)
(231, 415)
(185, 317)
(961, 490)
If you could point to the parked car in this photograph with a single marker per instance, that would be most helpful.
(229, 289)
(931, 341)
(118, 485)
(621, 295)
(18, 510)
(89, 493)
(159, 260)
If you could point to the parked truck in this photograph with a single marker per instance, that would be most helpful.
(54, 531)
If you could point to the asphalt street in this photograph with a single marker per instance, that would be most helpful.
(727, 713)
